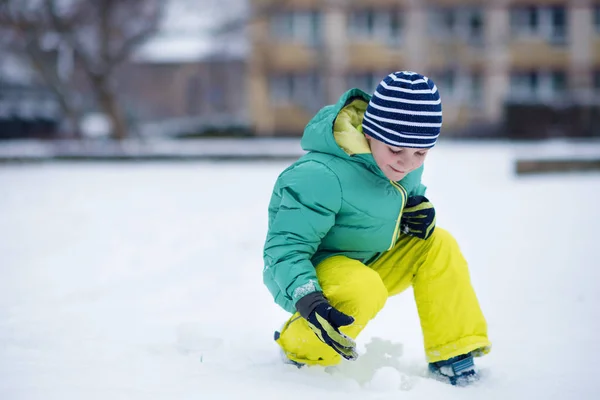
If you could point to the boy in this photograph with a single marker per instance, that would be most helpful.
(349, 226)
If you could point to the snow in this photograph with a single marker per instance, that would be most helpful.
(559, 149)
(175, 48)
(143, 281)
(266, 147)
(208, 148)
(96, 125)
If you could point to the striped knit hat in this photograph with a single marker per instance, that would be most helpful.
(405, 111)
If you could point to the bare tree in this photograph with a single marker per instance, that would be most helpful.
(26, 31)
(100, 34)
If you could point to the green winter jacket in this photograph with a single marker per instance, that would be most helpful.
(333, 201)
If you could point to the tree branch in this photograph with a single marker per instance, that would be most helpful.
(66, 28)
(106, 10)
(130, 44)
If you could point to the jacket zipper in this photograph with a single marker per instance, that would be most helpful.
(403, 194)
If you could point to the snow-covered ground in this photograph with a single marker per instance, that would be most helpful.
(143, 281)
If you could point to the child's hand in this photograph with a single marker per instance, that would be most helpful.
(418, 217)
(324, 320)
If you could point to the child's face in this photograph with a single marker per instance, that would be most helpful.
(396, 162)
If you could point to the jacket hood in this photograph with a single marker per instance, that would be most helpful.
(319, 132)
(337, 130)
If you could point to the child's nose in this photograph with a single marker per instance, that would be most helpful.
(403, 161)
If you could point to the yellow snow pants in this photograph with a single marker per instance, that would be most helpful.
(451, 319)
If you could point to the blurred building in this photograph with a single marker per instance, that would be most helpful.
(482, 55)
(186, 97)
(28, 109)
(28, 112)
(190, 78)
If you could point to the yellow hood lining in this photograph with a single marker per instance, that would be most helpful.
(347, 128)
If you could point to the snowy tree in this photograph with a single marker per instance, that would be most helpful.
(93, 37)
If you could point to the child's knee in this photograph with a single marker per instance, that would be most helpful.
(444, 256)
(361, 295)
(442, 238)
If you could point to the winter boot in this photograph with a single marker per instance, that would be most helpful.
(458, 371)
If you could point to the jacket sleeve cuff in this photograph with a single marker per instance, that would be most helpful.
(308, 303)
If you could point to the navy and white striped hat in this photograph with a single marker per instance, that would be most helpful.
(405, 111)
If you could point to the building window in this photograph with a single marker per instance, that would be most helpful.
(384, 26)
(524, 20)
(475, 26)
(300, 26)
(362, 23)
(396, 26)
(558, 82)
(446, 83)
(366, 81)
(558, 30)
(283, 88)
(215, 88)
(216, 94)
(538, 85)
(460, 86)
(193, 96)
(549, 23)
(301, 89)
(475, 91)
(596, 83)
(524, 85)
(448, 21)
(464, 23)
(597, 18)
